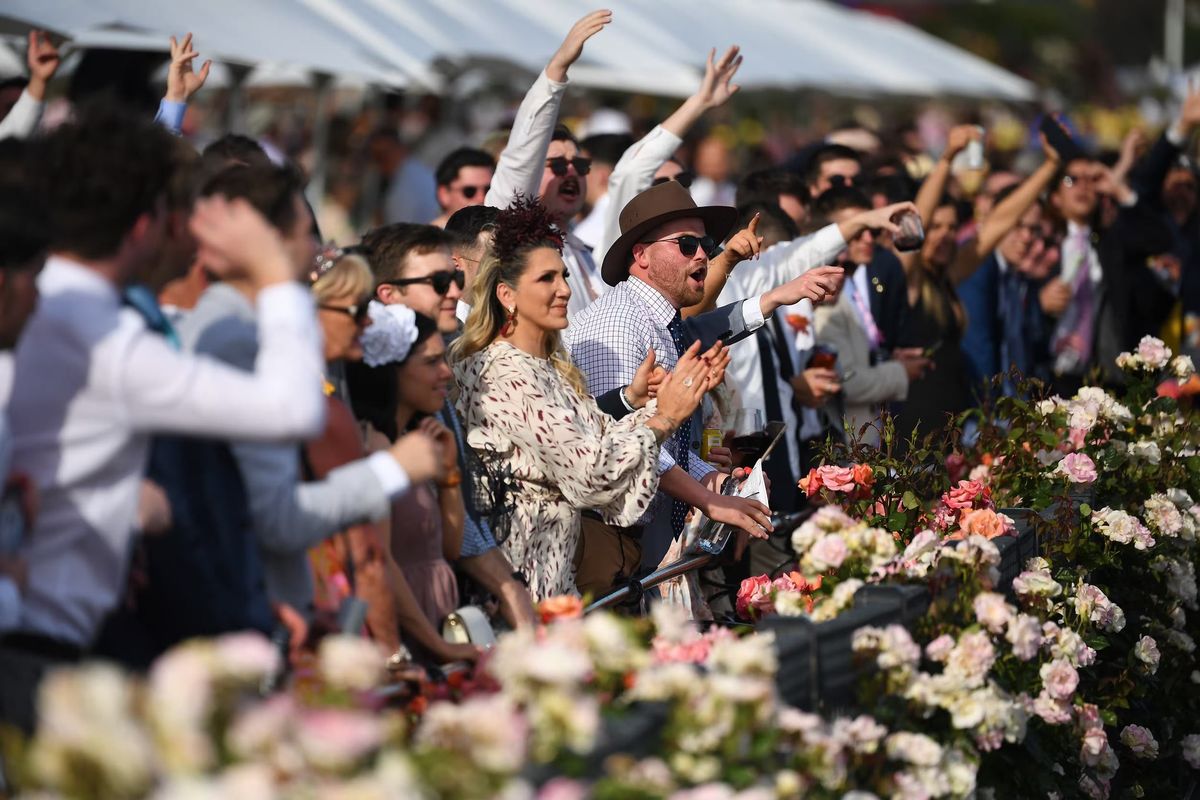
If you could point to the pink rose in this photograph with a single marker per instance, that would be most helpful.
(966, 494)
(755, 597)
(1059, 679)
(1078, 468)
(837, 479)
(828, 553)
(1154, 352)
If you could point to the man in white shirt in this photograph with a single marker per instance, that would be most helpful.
(21, 118)
(605, 151)
(91, 383)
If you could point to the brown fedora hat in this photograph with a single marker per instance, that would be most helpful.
(659, 204)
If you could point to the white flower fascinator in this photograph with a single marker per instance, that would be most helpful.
(391, 334)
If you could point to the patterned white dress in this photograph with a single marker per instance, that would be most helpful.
(564, 453)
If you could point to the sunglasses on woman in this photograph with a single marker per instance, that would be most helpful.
(440, 280)
(469, 192)
(688, 245)
(558, 165)
(359, 312)
(684, 179)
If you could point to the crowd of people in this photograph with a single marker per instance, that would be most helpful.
(507, 390)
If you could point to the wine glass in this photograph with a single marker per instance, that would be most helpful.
(749, 437)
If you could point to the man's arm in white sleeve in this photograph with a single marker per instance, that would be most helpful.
(22, 120)
(165, 390)
(519, 169)
(632, 175)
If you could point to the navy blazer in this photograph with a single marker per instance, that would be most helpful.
(889, 295)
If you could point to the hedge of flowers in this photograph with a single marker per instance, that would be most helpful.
(1076, 679)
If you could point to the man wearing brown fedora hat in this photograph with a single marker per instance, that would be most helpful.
(657, 266)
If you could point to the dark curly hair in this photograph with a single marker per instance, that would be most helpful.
(99, 174)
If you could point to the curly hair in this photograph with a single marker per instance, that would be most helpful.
(99, 174)
(522, 228)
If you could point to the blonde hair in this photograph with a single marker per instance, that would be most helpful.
(487, 315)
(350, 276)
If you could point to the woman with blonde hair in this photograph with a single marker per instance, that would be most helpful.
(526, 409)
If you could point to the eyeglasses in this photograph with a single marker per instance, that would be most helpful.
(469, 192)
(558, 165)
(684, 179)
(359, 312)
(688, 245)
(440, 281)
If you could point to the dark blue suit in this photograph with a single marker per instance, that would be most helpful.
(889, 295)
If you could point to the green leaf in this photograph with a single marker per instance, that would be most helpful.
(910, 500)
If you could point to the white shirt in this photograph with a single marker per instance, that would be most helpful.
(90, 385)
(590, 229)
(777, 265)
(633, 174)
(23, 118)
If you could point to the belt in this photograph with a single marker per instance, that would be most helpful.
(633, 531)
(43, 646)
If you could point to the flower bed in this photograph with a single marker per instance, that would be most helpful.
(928, 644)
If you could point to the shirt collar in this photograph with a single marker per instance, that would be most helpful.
(1074, 229)
(661, 310)
(1001, 263)
(61, 274)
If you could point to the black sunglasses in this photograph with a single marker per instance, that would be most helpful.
(359, 312)
(842, 180)
(688, 245)
(684, 179)
(469, 192)
(440, 281)
(558, 165)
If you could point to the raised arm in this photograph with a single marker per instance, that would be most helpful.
(634, 172)
(43, 59)
(182, 83)
(519, 168)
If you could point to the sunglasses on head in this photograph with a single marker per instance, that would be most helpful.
(684, 179)
(359, 312)
(688, 245)
(440, 281)
(469, 192)
(558, 165)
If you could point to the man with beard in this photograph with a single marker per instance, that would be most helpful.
(658, 266)
(542, 160)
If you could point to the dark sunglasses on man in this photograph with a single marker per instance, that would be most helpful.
(359, 312)
(440, 280)
(469, 192)
(688, 245)
(842, 180)
(558, 165)
(684, 179)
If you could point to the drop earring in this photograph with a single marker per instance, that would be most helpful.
(510, 323)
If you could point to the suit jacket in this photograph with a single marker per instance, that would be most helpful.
(889, 295)
(979, 294)
(867, 386)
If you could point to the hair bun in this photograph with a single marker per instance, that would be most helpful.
(525, 223)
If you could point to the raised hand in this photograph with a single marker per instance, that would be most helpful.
(43, 60)
(717, 87)
(182, 81)
(572, 47)
(960, 136)
(234, 240)
(746, 243)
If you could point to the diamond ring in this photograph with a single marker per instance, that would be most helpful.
(687, 382)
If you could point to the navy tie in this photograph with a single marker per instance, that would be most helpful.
(682, 436)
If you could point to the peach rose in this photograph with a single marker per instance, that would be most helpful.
(964, 495)
(811, 484)
(984, 522)
(564, 606)
(756, 597)
(864, 476)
